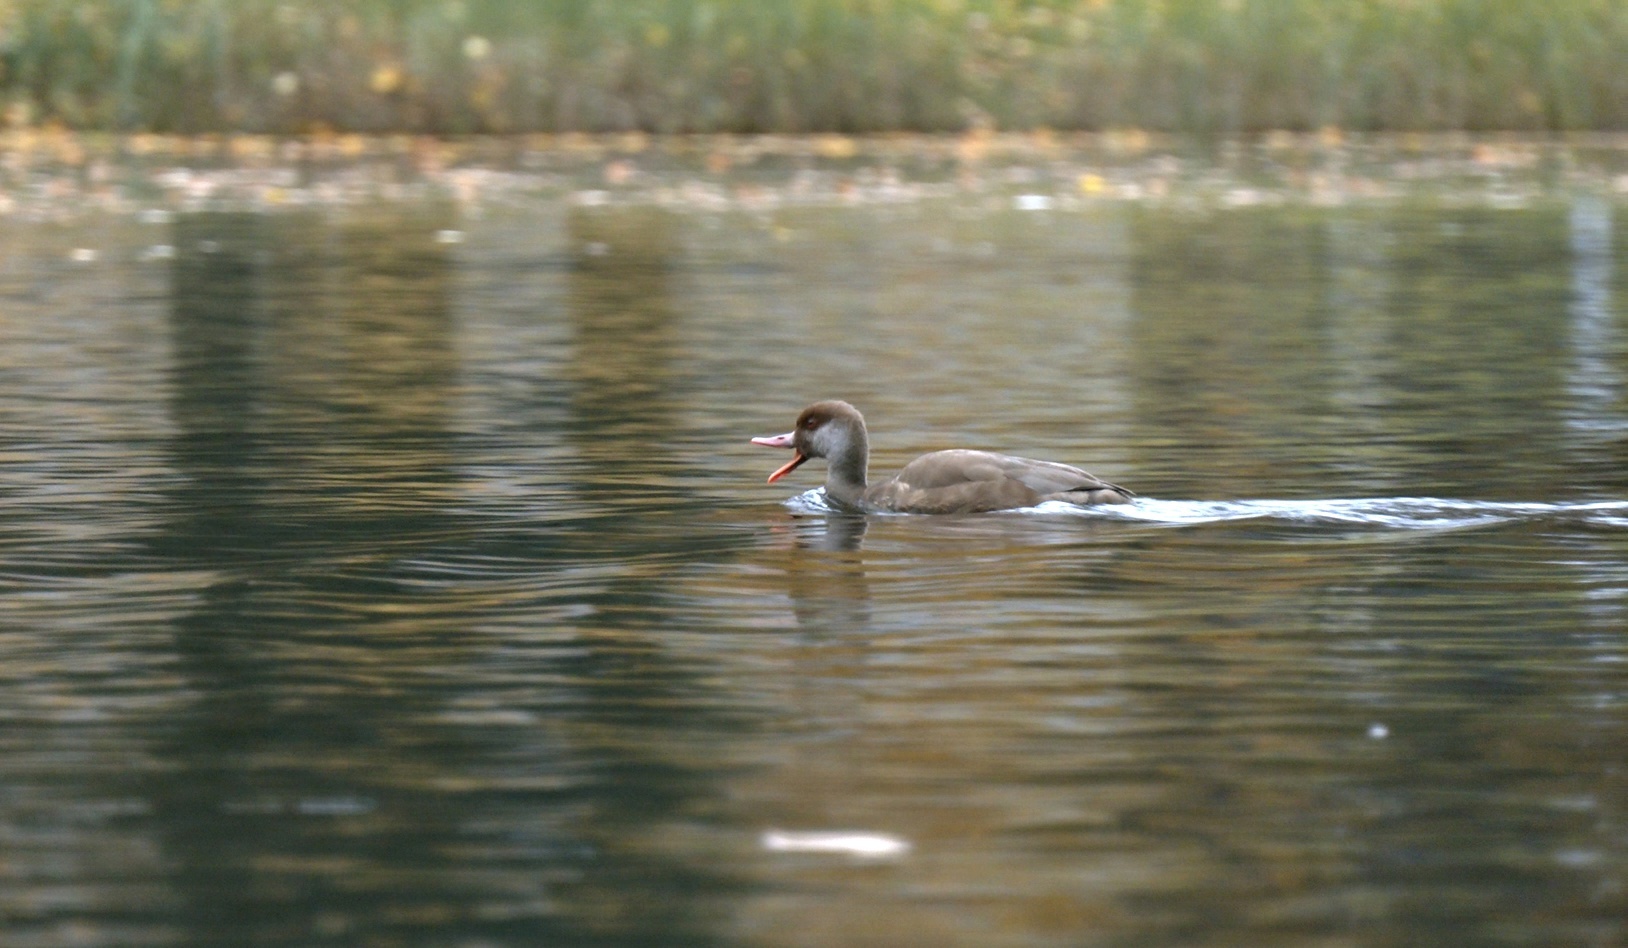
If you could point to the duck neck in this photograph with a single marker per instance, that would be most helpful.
(845, 470)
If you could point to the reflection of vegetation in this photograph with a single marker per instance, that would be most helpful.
(621, 308)
(1231, 301)
(1413, 342)
(790, 65)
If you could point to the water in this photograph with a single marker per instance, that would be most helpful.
(385, 563)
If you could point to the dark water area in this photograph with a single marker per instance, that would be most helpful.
(397, 571)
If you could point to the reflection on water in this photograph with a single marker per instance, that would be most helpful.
(399, 573)
(1593, 381)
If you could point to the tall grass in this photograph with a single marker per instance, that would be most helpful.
(456, 66)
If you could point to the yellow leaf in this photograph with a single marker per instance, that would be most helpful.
(386, 79)
(836, 146)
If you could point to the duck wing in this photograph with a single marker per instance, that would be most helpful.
(970, 481)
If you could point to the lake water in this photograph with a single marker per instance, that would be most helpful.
(384, 560)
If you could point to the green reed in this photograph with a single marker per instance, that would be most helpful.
(457, 66)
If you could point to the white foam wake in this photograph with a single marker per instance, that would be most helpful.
(1394, 512)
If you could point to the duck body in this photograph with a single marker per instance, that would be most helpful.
(956, 481)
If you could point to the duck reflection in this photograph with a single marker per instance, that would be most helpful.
(838, 533)
(825, 574)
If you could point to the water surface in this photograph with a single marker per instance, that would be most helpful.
(388, 565)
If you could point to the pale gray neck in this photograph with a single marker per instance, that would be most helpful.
(845, 467)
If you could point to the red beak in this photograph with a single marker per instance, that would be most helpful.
(787, 440)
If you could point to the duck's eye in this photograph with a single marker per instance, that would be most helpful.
(811, 423)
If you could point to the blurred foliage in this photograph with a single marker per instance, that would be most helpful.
(457, 66)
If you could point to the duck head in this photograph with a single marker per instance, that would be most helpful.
(834, 430)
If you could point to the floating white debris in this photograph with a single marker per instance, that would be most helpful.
(449, 236)
(848, 843)
(155, 215)
(158, 252)
(1032, 202)
(1242, 197)
(1378, 731)
(82, 255)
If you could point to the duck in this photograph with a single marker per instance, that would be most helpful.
(943, 482)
